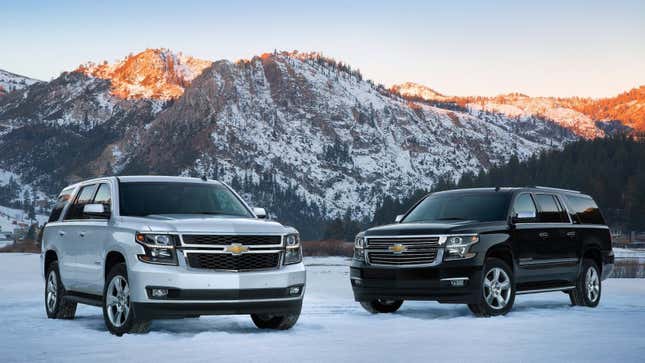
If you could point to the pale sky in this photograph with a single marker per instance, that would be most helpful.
(541, 48)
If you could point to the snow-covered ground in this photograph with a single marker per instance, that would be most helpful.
(629, 253)
(332, 328)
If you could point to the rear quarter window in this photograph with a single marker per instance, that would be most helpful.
(584, 210)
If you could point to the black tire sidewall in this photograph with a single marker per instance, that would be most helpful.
(59, 293)
(377, 307)
(118, 270)
(279, 322)
(484, 308)
(582, 285)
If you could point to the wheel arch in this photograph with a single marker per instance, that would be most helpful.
(593, 253)
(50, 256)
(504, 253)
(111, 259)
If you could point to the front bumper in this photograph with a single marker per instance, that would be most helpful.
(205, 292)
(445, 283)
(150, 311)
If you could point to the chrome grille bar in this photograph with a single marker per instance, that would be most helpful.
(415, 251)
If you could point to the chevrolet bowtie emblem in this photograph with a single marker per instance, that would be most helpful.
(236, 249)
(397, 248)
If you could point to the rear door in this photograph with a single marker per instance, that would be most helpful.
(555, 253)
(55, 234)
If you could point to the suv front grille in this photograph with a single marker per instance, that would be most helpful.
(402, 251)
(204, 239)
(225, 261)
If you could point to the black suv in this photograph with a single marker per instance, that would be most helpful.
(483, 246)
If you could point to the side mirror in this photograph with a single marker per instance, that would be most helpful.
(524, 216)
(260, 213)
(96, 210)
(399, 218)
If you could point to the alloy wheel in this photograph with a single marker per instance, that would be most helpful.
(118, 301)
(52, 290)
(592, 284)
(497, 288)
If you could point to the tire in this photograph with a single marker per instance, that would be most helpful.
(588, 286)
(497, 290)
(117, 306)
(276, 322)
(56, 306)
(382, 306)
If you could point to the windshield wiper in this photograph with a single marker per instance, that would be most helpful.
(451, 219)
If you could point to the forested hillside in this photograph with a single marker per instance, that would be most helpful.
(609, 169)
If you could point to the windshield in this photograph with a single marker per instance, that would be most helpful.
(483, 207)
(142, 199)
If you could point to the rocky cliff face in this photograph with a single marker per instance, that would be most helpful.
(153, 73)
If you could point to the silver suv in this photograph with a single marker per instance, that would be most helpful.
(152, 247)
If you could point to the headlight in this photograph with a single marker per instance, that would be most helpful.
(159, 248)
(359, 248)
(457, 247)
(293, 250)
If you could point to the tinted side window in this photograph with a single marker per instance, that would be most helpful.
(523, 205)
(61, 202)
(584, 210)
(84, 196)
(103, 196)
(550, 210)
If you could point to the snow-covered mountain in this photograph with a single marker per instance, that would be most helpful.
(11, 82)
(153, 73)
(292, 123)
(586, 117)
(413, 90)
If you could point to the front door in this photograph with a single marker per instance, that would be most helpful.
(92, 235)
(527, 238)
(74, 231)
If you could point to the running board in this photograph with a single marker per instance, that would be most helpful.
(563, 288)
(82, 298)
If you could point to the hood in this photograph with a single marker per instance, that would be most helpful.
(184, 223)
(418, 228)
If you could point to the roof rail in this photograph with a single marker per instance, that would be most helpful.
(557, 189)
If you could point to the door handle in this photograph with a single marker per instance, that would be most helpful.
(82, 234)
(571, 234)
(544, 234)
(61, 233)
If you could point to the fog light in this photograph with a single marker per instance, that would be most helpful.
(159, 292)
(294, 290)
